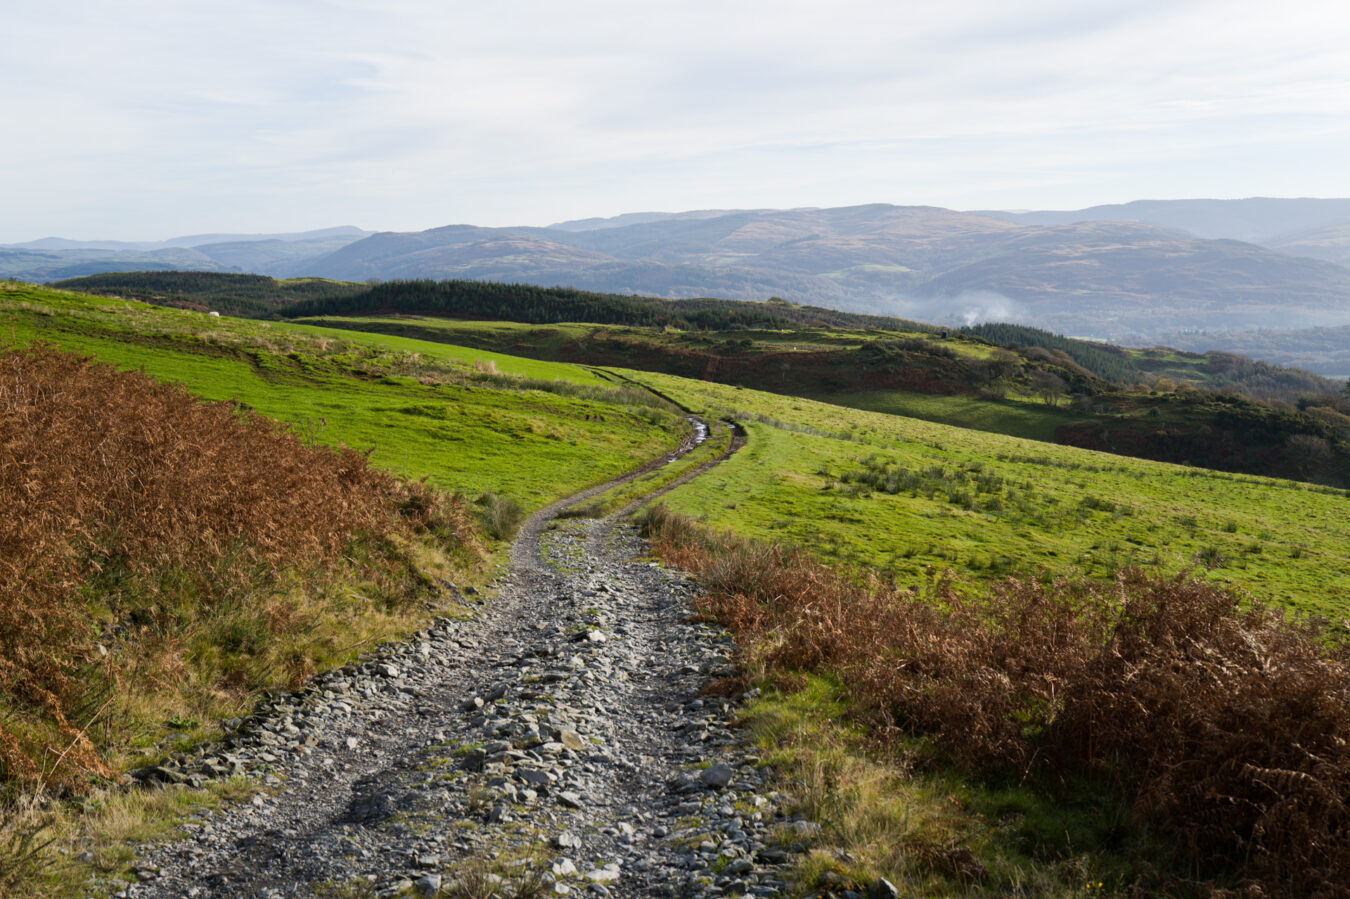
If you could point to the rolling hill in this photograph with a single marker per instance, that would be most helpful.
(1109, 280)
(56, 258)
(1122, 273)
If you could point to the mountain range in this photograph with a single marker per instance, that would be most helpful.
(1125, 272)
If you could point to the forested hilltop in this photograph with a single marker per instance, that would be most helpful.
(551, 305)
(232, 294)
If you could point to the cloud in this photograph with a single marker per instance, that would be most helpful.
(969, 307)
(145, 118)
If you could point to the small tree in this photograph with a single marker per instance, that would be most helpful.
(1049, 387)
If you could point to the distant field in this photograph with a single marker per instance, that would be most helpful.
(987, 505)
(1018, 414)
(421, 409)
(1032, 420)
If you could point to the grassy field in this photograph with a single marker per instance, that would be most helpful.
(1025, 417)
(469, 420)
(907, 497)
(1019, 413)
(957, 379)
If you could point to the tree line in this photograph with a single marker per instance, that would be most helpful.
(531, 304)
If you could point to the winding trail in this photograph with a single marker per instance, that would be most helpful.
(555, 742)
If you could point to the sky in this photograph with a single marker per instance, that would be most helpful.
(144, 120)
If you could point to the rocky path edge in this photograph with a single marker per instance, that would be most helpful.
(556, 743)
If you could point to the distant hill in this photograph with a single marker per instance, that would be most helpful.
(1118, 273)
(639, 218)
(1106, 280)
(1331, 243)
(1325, 351)
(54, 265)
(1259, 220)
(55, 258)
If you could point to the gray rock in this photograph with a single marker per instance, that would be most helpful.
(717, 775)
(535, 778)
(882, 888)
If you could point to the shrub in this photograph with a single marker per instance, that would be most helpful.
(133, 507)
(1226, 727)
(501, 515)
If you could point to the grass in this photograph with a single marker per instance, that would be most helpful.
(96, 838)
(987, 505)
(1028, 418)
(930, 833)
(719, 439)
(534, 431)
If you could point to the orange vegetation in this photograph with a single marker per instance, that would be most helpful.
(1225, 725)
(117, 491)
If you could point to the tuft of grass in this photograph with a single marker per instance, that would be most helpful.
(24, 840)
(50, 849)
(501, 515)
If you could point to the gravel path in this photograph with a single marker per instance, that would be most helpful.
(554, 744)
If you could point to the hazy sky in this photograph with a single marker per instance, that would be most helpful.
(145, 120)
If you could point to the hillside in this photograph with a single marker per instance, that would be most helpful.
(367, 389)
(1331, 243)
(1259, 220)
(1038, 386)
(580, 690)
(1106, 279)
(1044, 386)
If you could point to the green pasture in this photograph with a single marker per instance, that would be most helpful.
(462, 335)
(986, 505)
(1029, 418)
(422, 410)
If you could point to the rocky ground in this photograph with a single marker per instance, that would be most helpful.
(555, 743)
